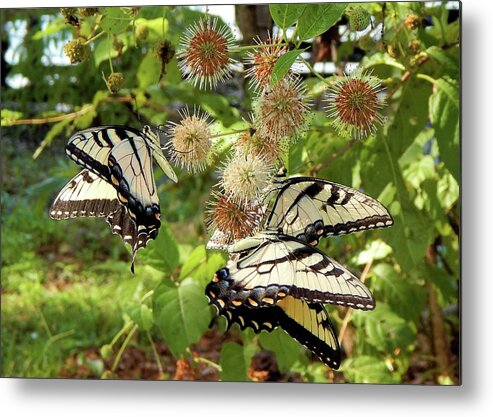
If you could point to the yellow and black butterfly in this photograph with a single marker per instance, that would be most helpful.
(117, 182)
(281, 263)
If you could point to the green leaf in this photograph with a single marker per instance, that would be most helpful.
(162, 253)
(448, 61)
(55, 130)
(444, 115)
(287, 350)
(103, 51)
(235, 361)
(149, 71)
(447, 191)
(381, 58)
(196, 258)
(384, 329)
(318, 18)
(369, 370)
(397, 290)
(376, 249)
(141, 314)
(114, 20)
(284, 15)
(283, 65)
(182, 314)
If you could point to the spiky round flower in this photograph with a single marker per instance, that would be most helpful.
(190, 144)
(245, 176)
(270, 149)
(234, 219)
(280, 111)
(412, 21)
(76, 50)
(115, 82)
(354, 102)
(204, 53)
(359, 18)
(261, 62)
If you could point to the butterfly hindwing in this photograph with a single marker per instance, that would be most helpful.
(269, 267)
(308, 323)
(309, 208)
(85, 195)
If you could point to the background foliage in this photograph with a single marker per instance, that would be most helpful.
(70, 306)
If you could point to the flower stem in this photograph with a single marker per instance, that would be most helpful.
(155, 353)
(123, 347)
(312, 70)
(98, 35)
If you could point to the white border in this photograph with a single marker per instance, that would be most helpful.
(124, 398)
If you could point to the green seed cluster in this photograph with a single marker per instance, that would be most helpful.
(359, 18)
(76, 50)
(115, 82)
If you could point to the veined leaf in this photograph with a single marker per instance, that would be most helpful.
(181, 313)
(287, 350)
(114, 20)
(444, 115)
(285, 15)
(369, 370)
(318, 18)
(162, 253)
(235, 361)
(283, 64)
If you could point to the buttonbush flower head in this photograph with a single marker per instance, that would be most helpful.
(204, 53)
(354, 102)
(261, 62)
(359, 18)
(245, 176)
(77, 50)
(115, 82)
(270, 149)
(280, 111)
(232, 219)
(190, 144)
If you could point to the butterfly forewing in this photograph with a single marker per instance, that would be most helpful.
(309, 208)
(91, 148)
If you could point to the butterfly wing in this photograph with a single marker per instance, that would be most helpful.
(279, 266)
(308, 323)
(91, 147)
(131, 174)
(309, 208)
(85, 195)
